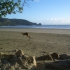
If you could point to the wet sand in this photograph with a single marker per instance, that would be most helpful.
(37, 30)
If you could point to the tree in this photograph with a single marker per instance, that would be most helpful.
(11, 6)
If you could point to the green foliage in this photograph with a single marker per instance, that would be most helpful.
(11, 6)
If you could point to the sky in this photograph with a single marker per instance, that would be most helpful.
(46, 12)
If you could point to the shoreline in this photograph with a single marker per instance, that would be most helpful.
(38, 30)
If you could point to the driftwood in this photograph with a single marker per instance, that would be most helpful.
(44, 57)
(64, 56)
(58, 65)
(55, 56)
(22, 60)
(19, 59)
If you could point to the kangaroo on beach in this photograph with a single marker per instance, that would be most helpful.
(27, 34)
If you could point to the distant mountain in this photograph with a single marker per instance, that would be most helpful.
(14, 22)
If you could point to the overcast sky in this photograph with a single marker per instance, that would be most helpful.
(46, 12)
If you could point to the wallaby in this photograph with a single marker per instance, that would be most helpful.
(27, 34)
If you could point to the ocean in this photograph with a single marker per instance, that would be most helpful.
(42, 26)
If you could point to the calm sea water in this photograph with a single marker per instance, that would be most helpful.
(43, 26)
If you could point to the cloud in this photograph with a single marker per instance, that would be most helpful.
(58, 21)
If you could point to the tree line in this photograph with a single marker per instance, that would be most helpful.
(14, 22)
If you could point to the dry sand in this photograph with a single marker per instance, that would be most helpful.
(44, 40)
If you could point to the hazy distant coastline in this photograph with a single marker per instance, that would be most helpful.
(15, 22)
(39, 26)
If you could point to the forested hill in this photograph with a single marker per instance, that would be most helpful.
(14, 22)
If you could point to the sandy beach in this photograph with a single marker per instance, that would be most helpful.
(38, 30)
(44, 40)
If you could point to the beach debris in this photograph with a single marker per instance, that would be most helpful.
(55, 56)
(40, 66)
(64, 56)
(19, 61)
(27, 34)
(19, 53)
(31, 62)
(58, 65)
(1, 55)
(24, 61)
(27, 62)
(44, 57)
(8, 58)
